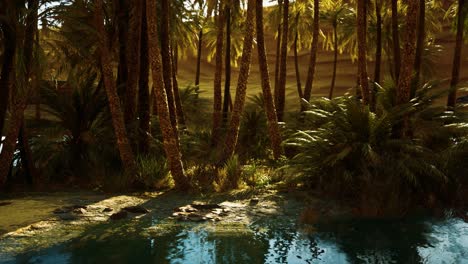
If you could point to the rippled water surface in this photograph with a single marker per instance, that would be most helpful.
(272, 239)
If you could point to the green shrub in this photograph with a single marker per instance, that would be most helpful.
(356, 155)
(153, 173)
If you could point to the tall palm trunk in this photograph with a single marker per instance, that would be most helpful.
(199, 54)
(283, 66)
(335, 59)
(166, 60)
(452, 97)
(133, 60)
(362, 47)
(273, 128)
(296, 60)
(217, 98)
(378, 43)
(419, 47)
(378, 52)
(170, 135)
(175, 84)
(227, 63)
(7, 69)
(241, 90)
(125, 151)
(121, 8)
(143, 91)
(408, 56)
(278, 52)
(313, 52)
(396, 41)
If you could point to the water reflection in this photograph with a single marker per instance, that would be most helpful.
(266, 241)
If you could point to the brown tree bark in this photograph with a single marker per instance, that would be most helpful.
(420, 43)
(296, 60)
(335, 59)
(362, 47)
(133, 60)
(283, 65)
(170, 135)
(461, 16)
(270, 110)
(227, 63)
(143, 91)
(408, 56)
(123, 145)
(9, 37)
(199, 54)
(175, 85)
(217, 98)
(313, 52)
(378, 43)
(166, 61)
(122, 11)
(396, 40)
(241, 90)
(278, 52)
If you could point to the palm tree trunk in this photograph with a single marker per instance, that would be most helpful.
(227, 63)
(241, 90)
(396, 41)
(273, 128)
(408, 56)
(166, 60)
(313, 53)
(335, 60)
(170, 135)
(175, 84)
(419, 47)
(199, 54)
(121, 9)
(278, 52)
(143, 91)
(26, 155)
(362, 47)
(378, 48)
(217, 98)
(452, 97)
(7, 69)
(296, 62)
(283, 66)
(125, 151)
(133, 60)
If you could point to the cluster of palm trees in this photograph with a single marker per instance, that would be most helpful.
(147, 37)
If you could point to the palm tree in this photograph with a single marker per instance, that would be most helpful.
(169, 132)
(296, 60)
(270, 110)
(217, 101)
(378, 44)
(233, 131)
(396, 41)
(420, 44)
(278, 49)
(461, 16)
(408, 56)
(166, 60)
(143, 91)
(281, 93)
(121, 10)
(125, 151)
(133, 61)
(9, 40)
(362, 46)
(335, 13)
(313, 52)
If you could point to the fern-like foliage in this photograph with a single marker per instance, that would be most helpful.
(347, 150)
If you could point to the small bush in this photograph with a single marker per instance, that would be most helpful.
(153, 173)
